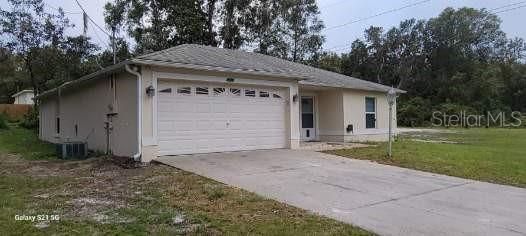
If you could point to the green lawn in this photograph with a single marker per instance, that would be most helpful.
(97, 197)
(492, 155)
(25, 143)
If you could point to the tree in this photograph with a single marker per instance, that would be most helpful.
(27, 29)
(12, 78)
(330, 61)
(156, 25)
(460, 59)
(302, 28)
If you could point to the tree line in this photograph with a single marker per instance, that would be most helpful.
(459, 60)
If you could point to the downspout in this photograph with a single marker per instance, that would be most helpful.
(137, 156)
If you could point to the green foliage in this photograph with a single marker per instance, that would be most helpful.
(26, 143)
(458, 60)
(35, 52)
(3, 122)
(414, 113)
(288, 29)
(30, 120)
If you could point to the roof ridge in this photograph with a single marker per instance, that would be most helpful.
(238, 59)
(158, 52)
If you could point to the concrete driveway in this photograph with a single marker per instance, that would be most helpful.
(384, 199)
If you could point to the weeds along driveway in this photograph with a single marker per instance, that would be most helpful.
(384, 199)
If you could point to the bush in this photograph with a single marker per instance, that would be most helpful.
(3, 122)
(30, 120)
(415, 112)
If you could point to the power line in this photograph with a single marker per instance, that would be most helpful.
(509, 5)
(377, 15)
(510, 9)
(92, 21)
(346, 46)
(100, 39)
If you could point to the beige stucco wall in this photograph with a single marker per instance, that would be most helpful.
(86, 106)
(330, 115)
(338, 108)
(354, 113)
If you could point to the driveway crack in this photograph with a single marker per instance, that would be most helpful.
(411, 195)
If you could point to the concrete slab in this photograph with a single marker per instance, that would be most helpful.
(384, 199)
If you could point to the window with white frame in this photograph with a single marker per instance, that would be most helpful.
(370, 112)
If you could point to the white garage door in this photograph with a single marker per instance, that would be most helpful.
(202, 118)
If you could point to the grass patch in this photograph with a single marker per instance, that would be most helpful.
(25, 142)
(97, 197)
(491, 155)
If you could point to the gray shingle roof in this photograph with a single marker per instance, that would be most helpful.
(241, 61)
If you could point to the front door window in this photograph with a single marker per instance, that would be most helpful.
(307, 118)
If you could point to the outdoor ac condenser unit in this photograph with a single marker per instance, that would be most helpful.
(72, 150)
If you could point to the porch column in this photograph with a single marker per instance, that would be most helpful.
(294, 116)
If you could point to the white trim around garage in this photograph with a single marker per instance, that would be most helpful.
(291, 86)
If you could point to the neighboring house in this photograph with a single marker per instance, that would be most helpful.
(199, 99)
(24, 97)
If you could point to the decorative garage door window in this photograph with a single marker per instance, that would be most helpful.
(201, 90)
(184, 90)
(220, 91)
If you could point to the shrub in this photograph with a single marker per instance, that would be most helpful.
(30, 120)
(3, 122)
(414, 112)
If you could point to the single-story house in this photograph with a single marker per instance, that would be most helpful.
(24, 97)
(199, 99)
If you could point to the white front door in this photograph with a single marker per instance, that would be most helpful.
(308, 118)
(203, 118)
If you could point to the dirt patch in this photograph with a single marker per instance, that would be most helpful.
(96, 189)
(105, 196)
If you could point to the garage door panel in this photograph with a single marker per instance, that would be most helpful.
(191, 123)
(182, 107)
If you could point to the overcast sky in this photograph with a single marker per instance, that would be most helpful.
(337, 12)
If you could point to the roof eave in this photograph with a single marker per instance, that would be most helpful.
(349, 87)
(82, 79)
(21, 92)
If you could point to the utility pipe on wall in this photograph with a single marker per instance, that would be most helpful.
(134, 71)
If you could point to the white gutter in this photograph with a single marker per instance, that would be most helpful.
(137, 156)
